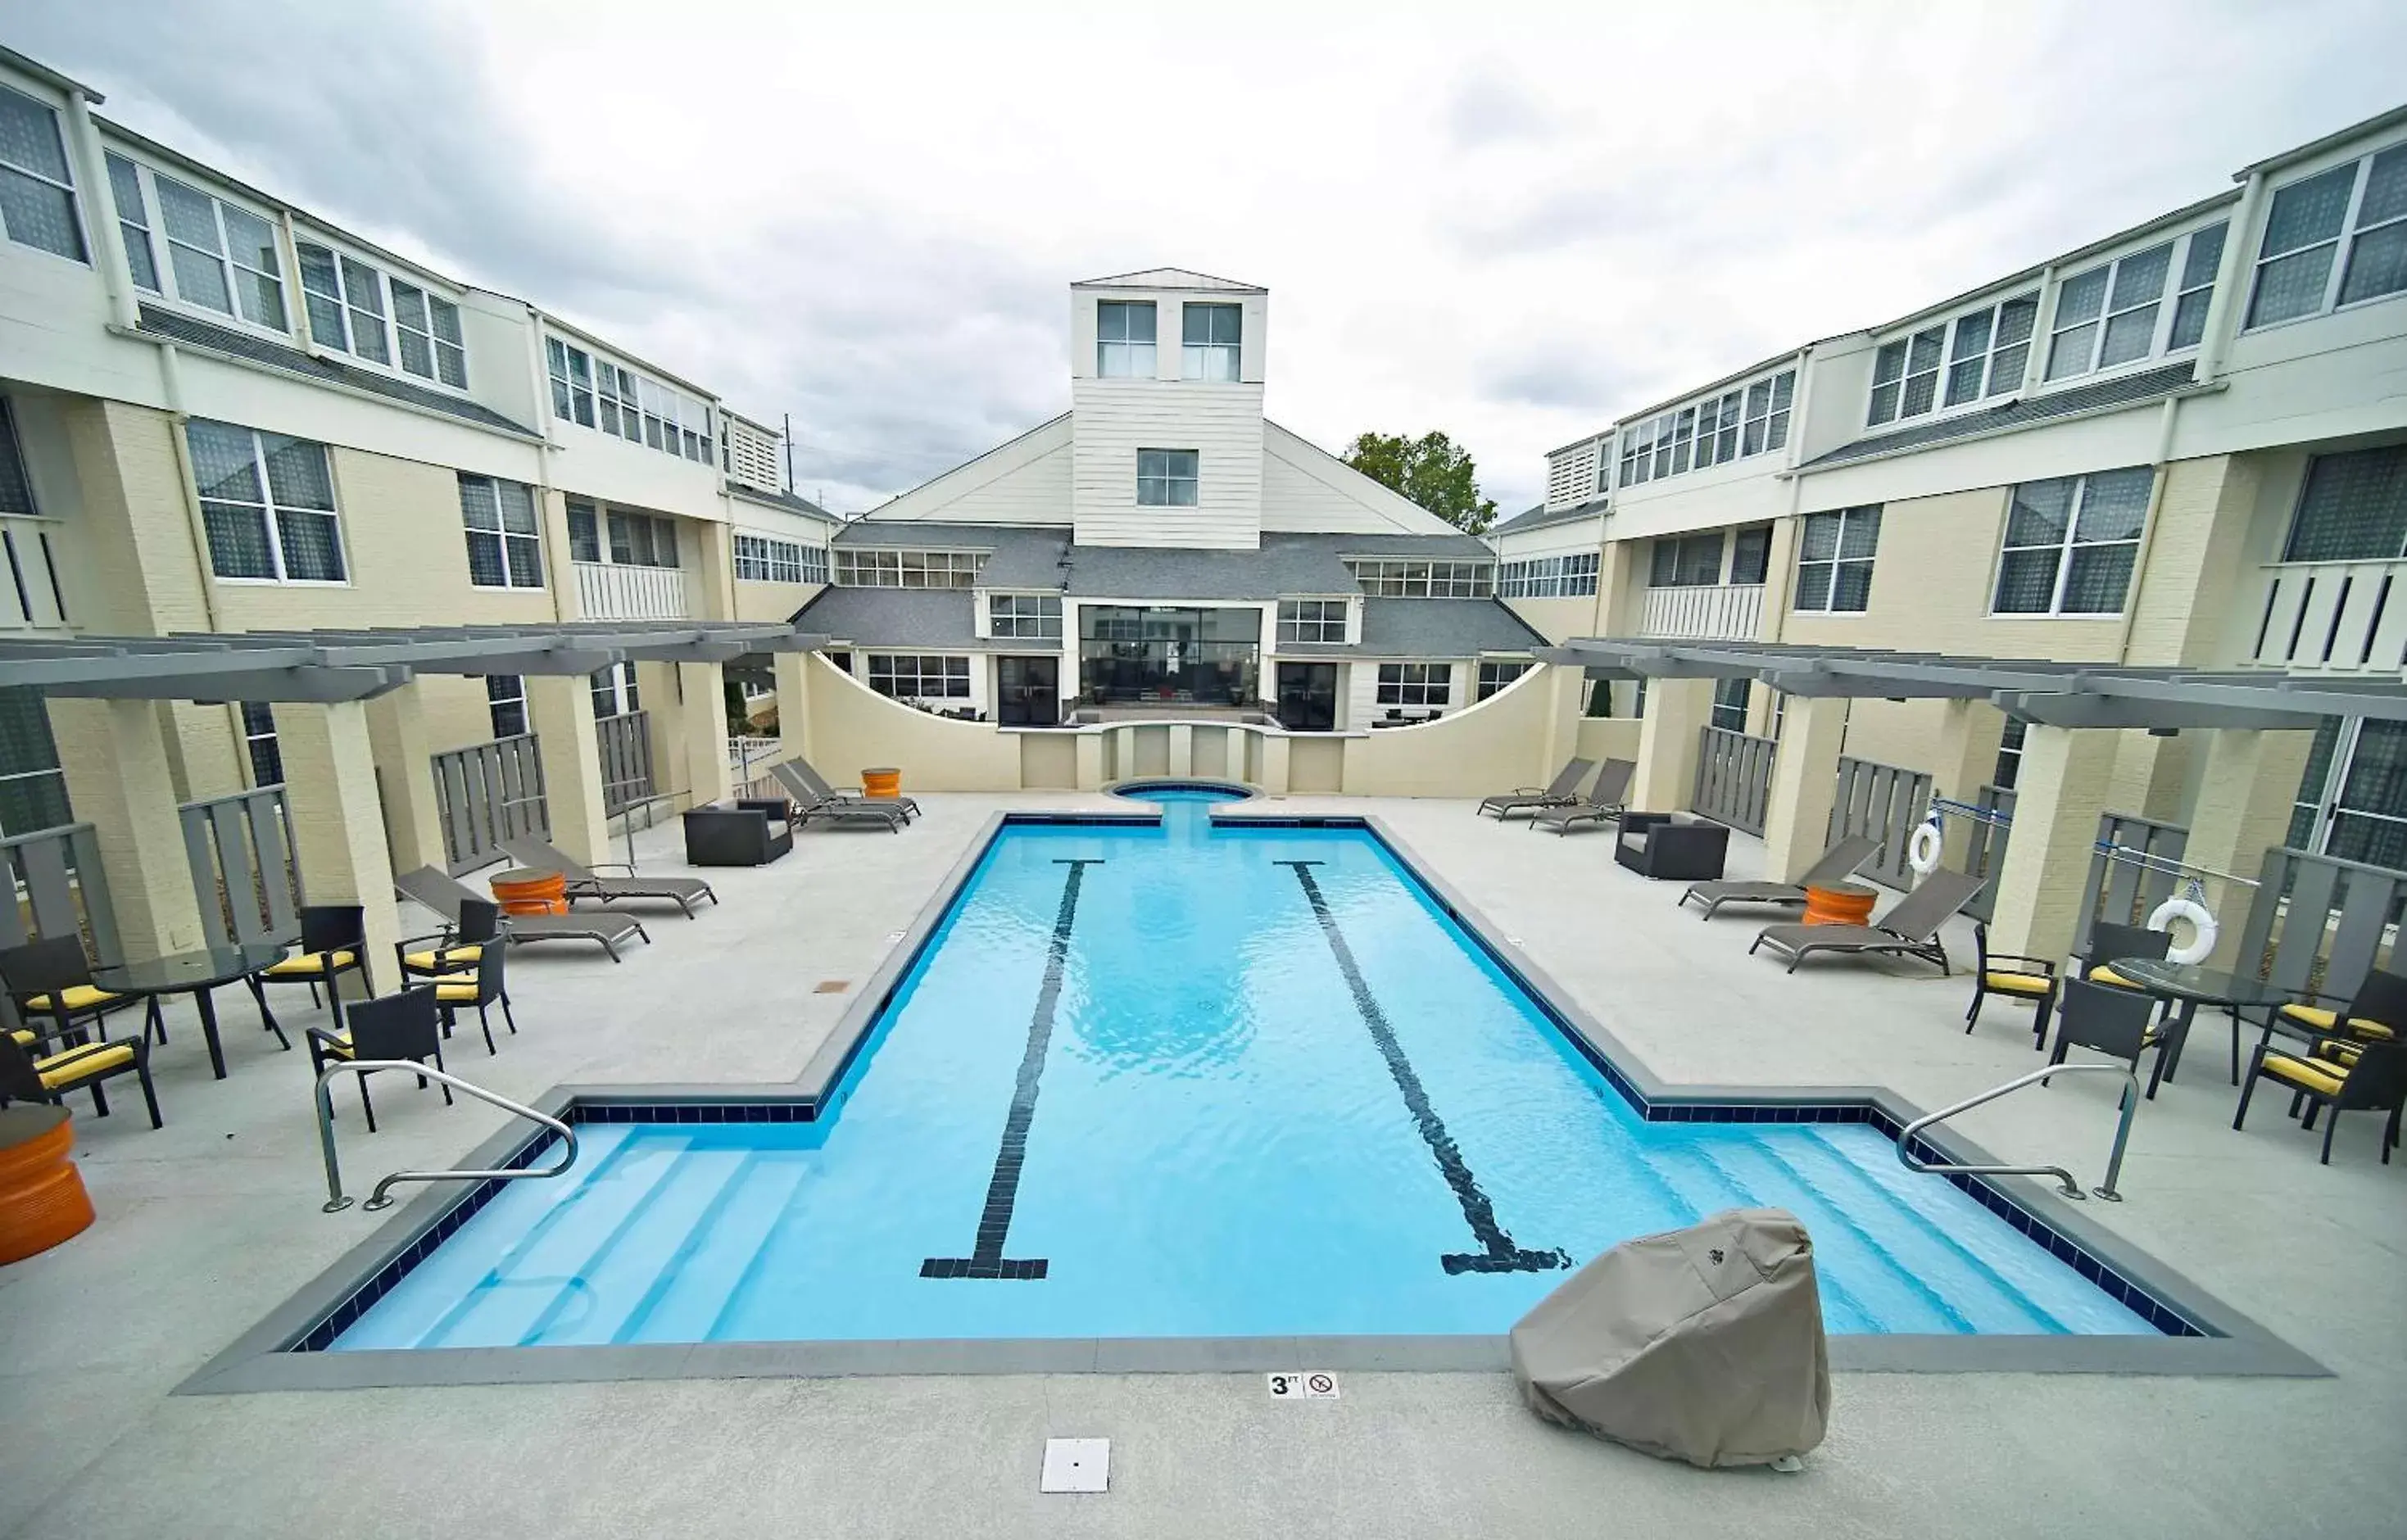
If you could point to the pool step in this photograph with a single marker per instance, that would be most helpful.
(722, 1266)
(1735, 1177)
(632, 1259)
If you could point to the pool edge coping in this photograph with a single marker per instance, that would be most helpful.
(262, 1357)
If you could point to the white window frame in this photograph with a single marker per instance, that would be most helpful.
(521, 551)
(16, 476)
(767, 559)
(1162, 475)
(136, 228)
(446, 344)
(224, 257)
(1837, 559)
(1418, 577)
(1731, 698)
(2009, 768)
(506, 692)
(2066, 547)
(256, 740)
(1415, 687)
(614, 691)
(659, 538)
(75, 212)
(1920, 355)
(1742, 421)
(1126, 356)
(1213, 360)
(897, 567)
(1998, 367)
(2343, 243)
(270, 513)
(1029, 617)
(1568, 577)
(2166, 297)
(951, 670)
(572, 397)
(1317, 622)
(1497, 673)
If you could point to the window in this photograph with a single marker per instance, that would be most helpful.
(813, 560)
(2368, 808)
(1691, 560)
(36, 194)
(505, 701)
(1025, 615)
(1751, 554)
(614, 690)
(1905, 376)
(872, 567)
(267, 503)
(133, 221)
(1124, 339)
(2117, 312)
(2333, 239)
(1729, 704)
(505, 540)
(2070, 543)
(1312, 621)
(1166, 478)
(584, 531)
(1209, 341)
(33, 789)
(223, 258)
(910, 676)
(1548, 576)
(15, 487)
(588, 391)
(762, 558)
(1732, 425)
(1495, 674)
(1988, 349)
(2010, 755)
(2352, 508)
(1834, 560)
(1416, 684)
(428, 326)
(258, 744)
(640, 541)
(1396, 578)
(572, 382)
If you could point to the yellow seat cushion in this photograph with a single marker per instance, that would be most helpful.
(2306, 1073)
(337, 1045)
(453, 957)
(78, 997)
(308, 966)
(455, 994)
(2333, 1050)
(2328, 1021)
(24, 1039)
(77, 1065)
(2104, 975)
(2003, 982)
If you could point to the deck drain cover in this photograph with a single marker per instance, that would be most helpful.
(1076, 1465)
(831, 986)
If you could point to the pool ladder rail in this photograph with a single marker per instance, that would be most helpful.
(2065, 1184)
(381, 1198)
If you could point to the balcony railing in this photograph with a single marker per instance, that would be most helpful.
(1720, 612)
(607, 592)
(32, 597)
(2342, 617)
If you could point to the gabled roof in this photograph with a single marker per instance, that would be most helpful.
(786, 500)
(1539, 518)
(1168, 277)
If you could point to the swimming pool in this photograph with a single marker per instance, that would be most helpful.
(1188, 1080)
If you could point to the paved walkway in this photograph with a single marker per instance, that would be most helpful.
(206, 1224)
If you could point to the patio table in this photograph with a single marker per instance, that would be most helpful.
(2189, 986)
(196, 972)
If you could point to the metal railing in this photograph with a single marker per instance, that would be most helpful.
(1885, 803)
(1988, 821)
(1733, 777)
(487, 793)
(745, 752)
(244, 874)
(2065, 1184)
(380, 1198)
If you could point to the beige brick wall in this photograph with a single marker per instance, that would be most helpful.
(1560, 620)
(772, 601)
(2195, 572)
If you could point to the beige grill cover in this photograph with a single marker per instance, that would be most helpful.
(1704, 1345)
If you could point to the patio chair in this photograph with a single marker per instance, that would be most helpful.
(2374, 1015)
(2109, 940)
(28, 1073)
(813, 798)
(484, 991)
(392, 1026)
(1563, 789)
(447, 897)
(454, 949)
(585, 883)
(2014, 977)
(1837, 864)
(797, 775)
(52, 977)
(333, 942)
(2109, 1021)
(1909, 929)
(2377, 1080)
(1604, 803)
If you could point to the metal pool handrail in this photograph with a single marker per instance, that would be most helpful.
(335, 1202)
(2065, 1183)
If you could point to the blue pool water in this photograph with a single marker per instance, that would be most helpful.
(1219, 1136)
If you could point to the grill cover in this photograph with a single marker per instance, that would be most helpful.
(1704, 1345)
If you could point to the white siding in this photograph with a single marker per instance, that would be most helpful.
(1362, 705)
(1572, 535)
(1025, 481)
(1115, 418)
(1309, 490)
(1571, 475)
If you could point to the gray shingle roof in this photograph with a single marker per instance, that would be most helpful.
(1041, 556)
(907, 619)
(166, 323)
(1430, 628)
(1538, 518)
(2124, 390)
(781, 500)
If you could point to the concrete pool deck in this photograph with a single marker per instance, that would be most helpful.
(209, 1224)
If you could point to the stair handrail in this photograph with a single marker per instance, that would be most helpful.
(335, 1202)
(2065, 1184)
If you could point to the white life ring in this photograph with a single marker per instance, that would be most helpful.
(2202, 928)
(1923, 851)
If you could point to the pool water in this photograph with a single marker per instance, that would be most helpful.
(1192, 1081)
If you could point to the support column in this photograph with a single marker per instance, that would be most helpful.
(793, 705)
(560, 712)
(2245, 789)
(413, 818)
(1090, 761)
(1564, 687)
(116, 763)
(1182, 749)
(2062, 789)
(330, 792)
(656, 689)
(1677, 711)
(1805, 784)
(702, 733)
(1970, 735)
(1274, 763)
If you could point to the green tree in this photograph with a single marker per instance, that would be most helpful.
(1431, 470)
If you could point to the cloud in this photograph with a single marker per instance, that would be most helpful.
(1490, 108)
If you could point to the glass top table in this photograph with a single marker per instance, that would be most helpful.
(2189, 986)
(196, 972)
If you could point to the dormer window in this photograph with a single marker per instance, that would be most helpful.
(1209, 342)
(1124, 339)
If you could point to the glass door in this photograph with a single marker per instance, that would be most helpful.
(1027, 690)
(1307, 697)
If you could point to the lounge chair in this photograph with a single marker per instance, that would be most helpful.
(1837, 864)
(1563, 789)
(813, 798)
(1604, 803)
(446, 895)
(584, 882)
(1909, 929)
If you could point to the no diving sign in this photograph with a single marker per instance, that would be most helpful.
(1315, 1386)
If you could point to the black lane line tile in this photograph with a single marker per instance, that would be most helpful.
(1497, 1253)
(987, 1259)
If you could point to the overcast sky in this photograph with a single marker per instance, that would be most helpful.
(1510, 223)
